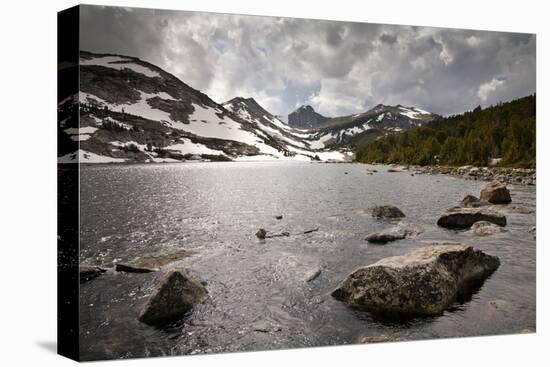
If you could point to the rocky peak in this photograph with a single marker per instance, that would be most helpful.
(305, 117)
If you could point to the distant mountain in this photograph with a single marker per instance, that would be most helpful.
(248, 109)
(343, 131)
(506, 131)
(133, 111)
(305, 117)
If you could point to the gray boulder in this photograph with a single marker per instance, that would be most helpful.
(484, 228)
(385, 236)
(464, 218)
(175, 295)
(385, 211)
(495, 193)
(423, 282)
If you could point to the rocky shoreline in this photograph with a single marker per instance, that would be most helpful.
(513, 176)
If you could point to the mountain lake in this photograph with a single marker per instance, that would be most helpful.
(274, 293)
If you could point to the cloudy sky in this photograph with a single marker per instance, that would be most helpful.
(339, 68)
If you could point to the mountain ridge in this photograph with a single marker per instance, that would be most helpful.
(133, 111)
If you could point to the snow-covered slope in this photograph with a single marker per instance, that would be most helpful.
(340, 131)
(133, 111)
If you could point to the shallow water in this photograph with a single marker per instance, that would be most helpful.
(259, 296)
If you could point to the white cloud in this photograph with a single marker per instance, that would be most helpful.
(486, 89)
(473, 41)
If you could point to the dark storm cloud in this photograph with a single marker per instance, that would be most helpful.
(338, 67)
(388, 38)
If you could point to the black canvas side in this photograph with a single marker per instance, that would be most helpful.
(67, 185)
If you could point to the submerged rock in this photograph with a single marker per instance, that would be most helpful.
(382, 338)
(495, 192)
(470, 201)
(499, 305)
(510, 208)
(295, 268)
(385, 211)
(422, 282)
(394, 234)
(464, 218)
(153, 261)
(282, 234)
(128, 268)
(175, 295)
(385, 236)
(265, 327)
(88, 272)
(484, 228)
(313, 275)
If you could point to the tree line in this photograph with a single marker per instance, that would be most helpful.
(505, 131)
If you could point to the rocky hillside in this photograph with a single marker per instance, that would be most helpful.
(249, 110)
(378, 121)
(133, 111)
(305, 117)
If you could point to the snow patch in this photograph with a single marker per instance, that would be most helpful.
(413, 113)
(188, 147)
(164, 160)
(120, 63)
(120, 144)
(80, 134)
(205, 122)
(80, 137)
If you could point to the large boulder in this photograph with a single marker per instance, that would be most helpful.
(423, 282)
(176, 294)
(496, 193)
(464, 218)
(385, 211)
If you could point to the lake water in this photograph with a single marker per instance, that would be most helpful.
(259, 296)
